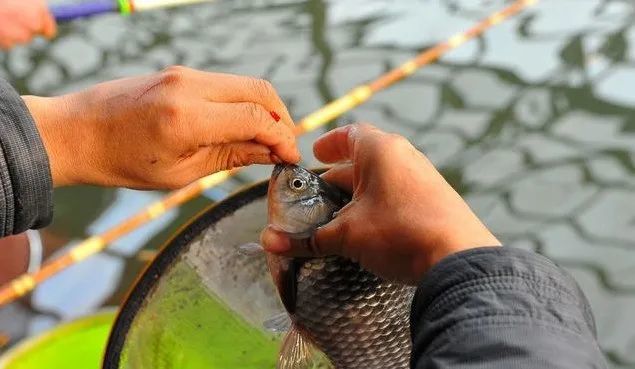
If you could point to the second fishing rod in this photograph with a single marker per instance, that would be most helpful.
(72, 11)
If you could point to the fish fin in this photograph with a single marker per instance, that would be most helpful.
(250, 249)
(298, 352)
(288, 288)
(278, 323)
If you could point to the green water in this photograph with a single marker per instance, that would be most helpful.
(184, 327)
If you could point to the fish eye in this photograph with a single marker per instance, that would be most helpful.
(297, 184)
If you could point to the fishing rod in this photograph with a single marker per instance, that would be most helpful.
(69, 12)
(27, 282)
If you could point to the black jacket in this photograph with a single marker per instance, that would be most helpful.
(502, 308)
(25, 177)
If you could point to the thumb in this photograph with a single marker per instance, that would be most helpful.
(331, 238)
(327, 240)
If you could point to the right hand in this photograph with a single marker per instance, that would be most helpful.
(21, 20)
(403, 218)
(163, 130)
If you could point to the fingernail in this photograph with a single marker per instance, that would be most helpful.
(274, 241)
(275, 116)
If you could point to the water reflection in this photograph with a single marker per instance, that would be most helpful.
(531, 122)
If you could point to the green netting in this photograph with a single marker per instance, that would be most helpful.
(184, 326)
(78, 344)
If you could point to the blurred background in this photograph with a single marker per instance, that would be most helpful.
(533, 123)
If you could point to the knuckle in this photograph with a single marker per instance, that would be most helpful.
(391, 142)
(365, 126)
(170, 112)
(223, 159)
(173, 75)
(397, 140)
(233, 158)
(262, 87)
(255, 112)
(375, 143)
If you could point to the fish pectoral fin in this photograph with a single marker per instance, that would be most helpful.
(250, 249)
(278, 323)
(297, 352)
(288, 282)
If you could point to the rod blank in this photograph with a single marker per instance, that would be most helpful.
(68, 12)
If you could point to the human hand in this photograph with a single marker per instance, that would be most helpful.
(21, 20)
(403, 218)
(162, 130)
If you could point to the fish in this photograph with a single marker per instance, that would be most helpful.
(339, 314)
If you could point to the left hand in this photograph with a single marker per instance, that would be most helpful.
(21, 20)
(403, 217)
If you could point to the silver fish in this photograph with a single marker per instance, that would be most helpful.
(351, 316)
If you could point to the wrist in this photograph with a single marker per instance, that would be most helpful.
(458, 240)
(61, 124)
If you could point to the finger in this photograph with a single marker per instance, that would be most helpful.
(233, 88)
(340, 176)
(208, 160)
(227, 156)
(243, 122)
(339, 144)
(274, 241)
(332, 146)
(49, 26)
(30, 19)
(331, 238)
(229, 88)
(5, 42)
(277, 242)
(13, 36)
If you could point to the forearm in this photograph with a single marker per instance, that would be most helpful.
(502, 308)
(25, 179)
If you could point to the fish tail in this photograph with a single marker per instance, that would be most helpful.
(298, 352)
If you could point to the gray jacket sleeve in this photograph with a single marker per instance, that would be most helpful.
(500, 307)
(25, 178)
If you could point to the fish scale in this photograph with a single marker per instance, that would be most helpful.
(354, 317)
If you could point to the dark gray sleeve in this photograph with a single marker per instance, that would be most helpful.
(500, 307)
(25, 179)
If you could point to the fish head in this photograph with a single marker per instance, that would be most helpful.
(299, 200)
